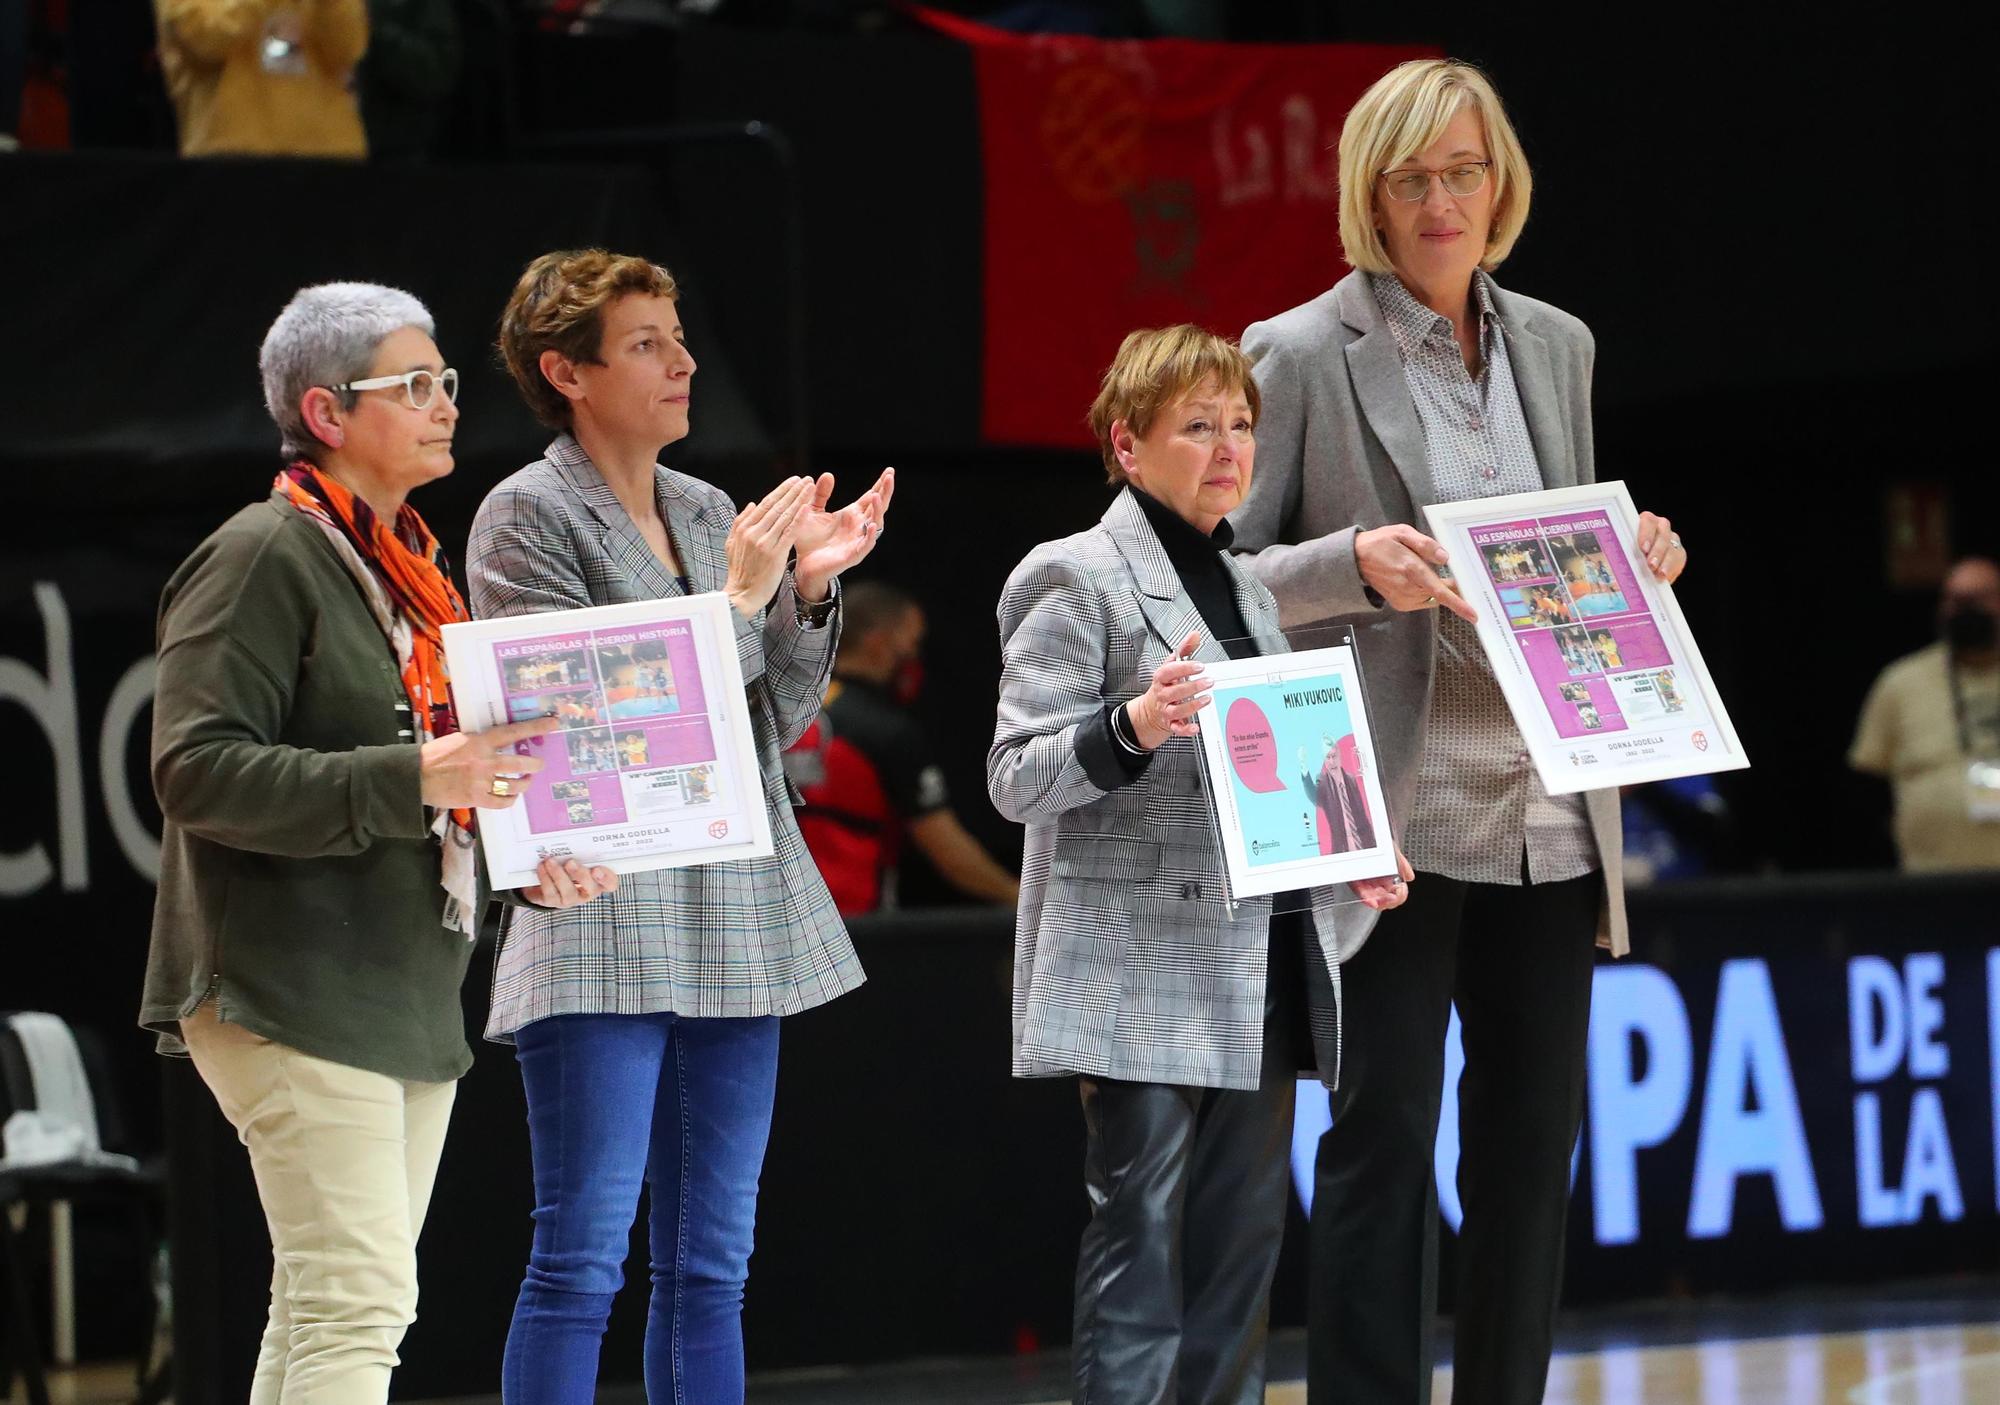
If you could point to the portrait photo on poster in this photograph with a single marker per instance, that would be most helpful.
(1592, 653)
(1290, 769)
(649, 761)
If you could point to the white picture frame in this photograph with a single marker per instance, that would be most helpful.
(1289, 820)
(1596, 660)
(650, 762)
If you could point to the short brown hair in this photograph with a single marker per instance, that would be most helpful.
(559, 306)
(1156, 367)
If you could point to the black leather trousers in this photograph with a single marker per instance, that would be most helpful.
(1188, 1191)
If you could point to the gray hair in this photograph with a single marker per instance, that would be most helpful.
(327, 336)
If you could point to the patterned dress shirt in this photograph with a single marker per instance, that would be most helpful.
(1480, 804)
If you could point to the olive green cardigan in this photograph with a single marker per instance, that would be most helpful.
(298, 882)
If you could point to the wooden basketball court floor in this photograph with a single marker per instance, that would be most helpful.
(1916, 1344)
(1911, 1344)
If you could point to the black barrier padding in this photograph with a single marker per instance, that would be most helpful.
(918, 1201)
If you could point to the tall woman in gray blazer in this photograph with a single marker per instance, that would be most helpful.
(648, 1035)
(1415, 380)
(1186, 1024)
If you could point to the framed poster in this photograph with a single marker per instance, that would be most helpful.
(649, 761)
(1596, 661)
(1290, 762)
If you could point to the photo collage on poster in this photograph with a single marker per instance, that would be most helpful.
(631, 736)
(1573, 601)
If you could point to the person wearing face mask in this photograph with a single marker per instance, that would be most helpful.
(1184, 1017)
(1931, 728)
(1418, 379)
(869, 773)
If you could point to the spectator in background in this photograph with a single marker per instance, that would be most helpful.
(1931, 719)
(868, 771)
(408, 76)
(264, 77)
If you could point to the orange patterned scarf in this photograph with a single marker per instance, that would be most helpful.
(412, 569)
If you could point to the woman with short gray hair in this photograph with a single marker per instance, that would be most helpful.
(318, 889)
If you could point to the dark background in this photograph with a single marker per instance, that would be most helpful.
(1772, 235)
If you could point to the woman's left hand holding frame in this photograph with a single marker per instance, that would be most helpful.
(567, 883)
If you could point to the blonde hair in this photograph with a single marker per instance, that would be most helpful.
(1156, 367)
(558, 305)
(1405, 111)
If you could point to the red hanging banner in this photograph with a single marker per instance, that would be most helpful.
(1139, 183)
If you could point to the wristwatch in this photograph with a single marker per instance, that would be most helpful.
(815, 616)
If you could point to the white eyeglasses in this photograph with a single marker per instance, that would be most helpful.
(418, 386)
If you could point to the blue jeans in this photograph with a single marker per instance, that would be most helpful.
(685, 1104)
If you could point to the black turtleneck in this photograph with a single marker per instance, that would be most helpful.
(1197, 559)
(1205, 576)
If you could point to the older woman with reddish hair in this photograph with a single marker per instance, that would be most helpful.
(1418, 379)
(648, 1035)
(1183, 1018)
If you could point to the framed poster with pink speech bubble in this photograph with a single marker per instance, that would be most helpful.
(1290, 764)
(1592, 653)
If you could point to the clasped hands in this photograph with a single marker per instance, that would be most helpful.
(1401, 564)
(794, 516)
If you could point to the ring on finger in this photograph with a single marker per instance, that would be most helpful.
(501, 787)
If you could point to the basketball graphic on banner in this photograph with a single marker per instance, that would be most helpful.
(1094, 130)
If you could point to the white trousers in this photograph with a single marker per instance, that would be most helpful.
(344, 1161)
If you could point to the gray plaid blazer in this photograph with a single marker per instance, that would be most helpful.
(1127, 960)
(747, 937)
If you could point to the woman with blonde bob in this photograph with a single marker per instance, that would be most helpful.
(1183, 1022)
(1418, 379)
